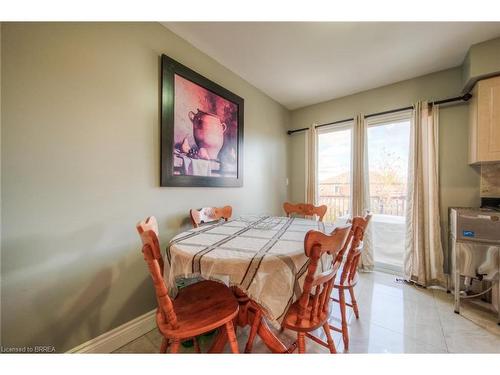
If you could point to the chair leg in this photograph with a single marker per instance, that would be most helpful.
(345, 332)
(354, 303)
(164, 345)
(231, 336)
(331, 344)
(219, 341)
(301, 342)
(196, 345)
(175, 346)
(253, 331)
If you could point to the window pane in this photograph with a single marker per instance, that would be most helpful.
(334, 172)
(388, 146)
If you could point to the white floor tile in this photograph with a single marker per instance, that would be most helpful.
(395, 317)
(415, 317)
(375, 339)
(473, 331)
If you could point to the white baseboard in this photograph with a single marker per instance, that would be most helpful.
(122, 335)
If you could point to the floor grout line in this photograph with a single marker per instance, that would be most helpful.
(440, 322)
(151, 341)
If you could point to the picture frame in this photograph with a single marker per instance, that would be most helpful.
(202, 127)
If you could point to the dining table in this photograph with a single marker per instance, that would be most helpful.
(260, 257)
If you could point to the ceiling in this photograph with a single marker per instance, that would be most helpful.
(302, 63)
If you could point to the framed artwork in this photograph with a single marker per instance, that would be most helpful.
(201, 130)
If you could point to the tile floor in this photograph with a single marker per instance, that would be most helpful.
(394, 318)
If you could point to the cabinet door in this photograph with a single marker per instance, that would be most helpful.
(488, 120)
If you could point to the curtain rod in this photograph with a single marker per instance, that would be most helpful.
(464, 98)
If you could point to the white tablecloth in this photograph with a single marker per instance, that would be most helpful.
(261, 255)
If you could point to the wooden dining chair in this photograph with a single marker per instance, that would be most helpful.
(304, 209)
(148, 231)
(347, 277)
(197, 309)
(312, 309)
(208, 214)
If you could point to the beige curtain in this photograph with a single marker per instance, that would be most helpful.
(424, 253)
(311, 165)
(360, 187)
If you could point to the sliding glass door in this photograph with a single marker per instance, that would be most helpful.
(388, 141)
(335, 169)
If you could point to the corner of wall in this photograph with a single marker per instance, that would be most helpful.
(466, 72)
(482, 61)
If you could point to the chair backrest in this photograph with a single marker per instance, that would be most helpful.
(165, 304)
(148, 231)
(315, 245)
(355, 245)
(304, 209)
(208, 214)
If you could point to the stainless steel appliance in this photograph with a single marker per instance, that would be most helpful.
(475, 247)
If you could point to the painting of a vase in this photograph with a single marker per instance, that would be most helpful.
(208, 132)
(202, 130)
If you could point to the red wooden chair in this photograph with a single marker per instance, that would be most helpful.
(197, 309)
(347, 277)
(312, 309)
(304, 209)
(208, 214)
(148, 231)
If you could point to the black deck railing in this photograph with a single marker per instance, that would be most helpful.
(339, 205)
